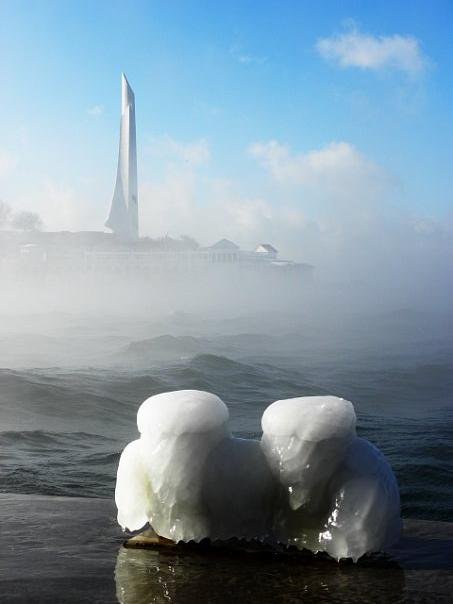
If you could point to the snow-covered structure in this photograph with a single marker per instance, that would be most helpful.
(310, 482)
(123, 217)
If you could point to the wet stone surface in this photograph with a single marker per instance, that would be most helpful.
(57, 549)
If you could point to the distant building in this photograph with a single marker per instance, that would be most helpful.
(222, 251)
(225, 245)
(105, 253)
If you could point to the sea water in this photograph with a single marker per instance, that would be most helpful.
(69, 396)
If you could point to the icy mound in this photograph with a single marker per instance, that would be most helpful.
(364, 514)
(161, 476)
(303, 439)
(310, 482)
(337, 493)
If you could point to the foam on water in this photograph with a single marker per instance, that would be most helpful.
(310, 481)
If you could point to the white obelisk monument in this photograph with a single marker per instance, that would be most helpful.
(123, 217)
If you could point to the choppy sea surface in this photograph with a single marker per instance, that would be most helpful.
(70, 389)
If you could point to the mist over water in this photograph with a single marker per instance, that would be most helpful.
(81, 349)
(76, 362)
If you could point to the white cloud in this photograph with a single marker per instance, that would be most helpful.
(58, 206)
(7, 163)
(62, 207)
(316, 198)
(192, 153)
(96, 110)
(344, 196)
(209, 209)
(238, 53)
(356, 49)
(337, 169)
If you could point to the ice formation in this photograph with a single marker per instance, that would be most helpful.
(337, 493)
(310, 481)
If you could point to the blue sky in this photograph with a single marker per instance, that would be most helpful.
(212, 80)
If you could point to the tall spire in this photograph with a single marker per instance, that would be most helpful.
(123, 217)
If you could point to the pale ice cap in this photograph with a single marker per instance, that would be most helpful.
(311, 418)
(183, 411)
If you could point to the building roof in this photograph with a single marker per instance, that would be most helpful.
(224, 244)
(266, 247)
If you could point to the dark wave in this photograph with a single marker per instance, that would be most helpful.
(64, 463)
(64, 429)
(420, 450)
(161, 347)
